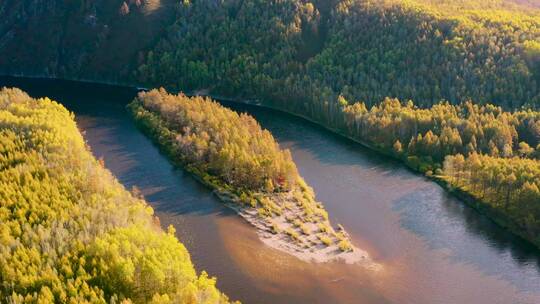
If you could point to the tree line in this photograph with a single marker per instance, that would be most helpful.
(69, 231)
(431, 134)
(483, 150)
(508, 186)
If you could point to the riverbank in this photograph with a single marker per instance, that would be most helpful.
(467, 198)
(483, 208)
(280, 234)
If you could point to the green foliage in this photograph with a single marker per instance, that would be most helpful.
(243, 162)
(325, 240)
(532, 50)
(275, 228)
(293, 234)
(322, 227)
(426, 136)
(229, 149)
(310, 59)
(69, 232)
(510, 187)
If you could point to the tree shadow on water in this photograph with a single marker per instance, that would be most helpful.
(167, 188)
(444, 222)
(136, 161)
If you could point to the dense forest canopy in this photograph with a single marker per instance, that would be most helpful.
(444, 129)
(231, 153)
(69, 232)
(300, 55)
(510, 187)
(100, 40)
(222, 142)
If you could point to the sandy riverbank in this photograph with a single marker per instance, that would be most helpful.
(306, 243)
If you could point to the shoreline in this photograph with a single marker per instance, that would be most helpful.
(321, 254)
(466, 198)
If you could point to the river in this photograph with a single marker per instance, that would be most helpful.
(430, 246)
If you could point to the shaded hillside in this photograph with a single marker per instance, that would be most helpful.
(90, 39)
(425, 51)
(311, 53)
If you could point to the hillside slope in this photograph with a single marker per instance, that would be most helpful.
(309, 52)
(79, 39)
(301, 55)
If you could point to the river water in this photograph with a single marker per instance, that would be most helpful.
(431, 248)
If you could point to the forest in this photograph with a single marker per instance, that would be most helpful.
(219, 141)
(300, 56)
(509, 187)
(69, 232)
(424, 80)
(232, 154)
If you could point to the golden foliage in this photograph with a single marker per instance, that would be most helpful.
(69, 232)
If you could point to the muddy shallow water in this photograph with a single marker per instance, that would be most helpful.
(431, 248)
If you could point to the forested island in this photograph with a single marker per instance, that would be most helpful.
(243, 164)
(69, 232)
(471, 68)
